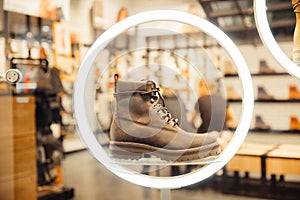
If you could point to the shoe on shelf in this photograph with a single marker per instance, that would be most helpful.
(142, 126)
(260, 124)
(294, 123)
(122, 14)
(262, 94)
(294, 94)
(231, 94)
(264, 68)
(228, 68)
(230, 122)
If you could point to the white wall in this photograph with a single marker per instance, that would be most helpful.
(137, 6)
(144, 5)
(80, 20)
(111, 9)
(81, 17)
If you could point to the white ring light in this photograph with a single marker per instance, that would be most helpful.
(150, 181)
(267, 37)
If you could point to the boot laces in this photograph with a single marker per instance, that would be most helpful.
(296, 4)
(161, 108)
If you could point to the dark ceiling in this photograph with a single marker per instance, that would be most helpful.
(236, 18)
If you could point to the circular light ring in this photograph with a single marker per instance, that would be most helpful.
(267, 37)
(162, 182)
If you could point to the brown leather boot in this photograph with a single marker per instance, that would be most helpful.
(123, 13)
(294, 123)
(294, 94)
(230, 123)
(142, 126)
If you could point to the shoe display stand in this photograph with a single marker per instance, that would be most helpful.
(251, 158)
(263, 170)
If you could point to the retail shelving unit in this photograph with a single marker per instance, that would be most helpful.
(278, 100)
(18, 171)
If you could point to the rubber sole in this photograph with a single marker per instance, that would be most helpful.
(133, 151)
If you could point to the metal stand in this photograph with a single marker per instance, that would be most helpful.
(165, 194)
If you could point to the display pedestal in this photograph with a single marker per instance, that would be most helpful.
(165, 194)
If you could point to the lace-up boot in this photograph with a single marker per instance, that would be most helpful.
(143, 126)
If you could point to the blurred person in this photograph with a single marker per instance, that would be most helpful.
(211, 107)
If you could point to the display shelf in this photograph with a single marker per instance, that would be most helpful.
(260, 74)
(282, 97)
(277, 101)
(275, 131)
(267, 100)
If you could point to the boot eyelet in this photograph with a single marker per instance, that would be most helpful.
(152, 100)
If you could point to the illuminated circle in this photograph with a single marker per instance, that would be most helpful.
(267, 37)
(145, 180)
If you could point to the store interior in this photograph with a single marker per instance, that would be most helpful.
(54, 148)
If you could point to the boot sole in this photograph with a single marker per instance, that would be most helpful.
(133, 151)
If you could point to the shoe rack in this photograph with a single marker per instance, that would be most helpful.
(277, 99)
